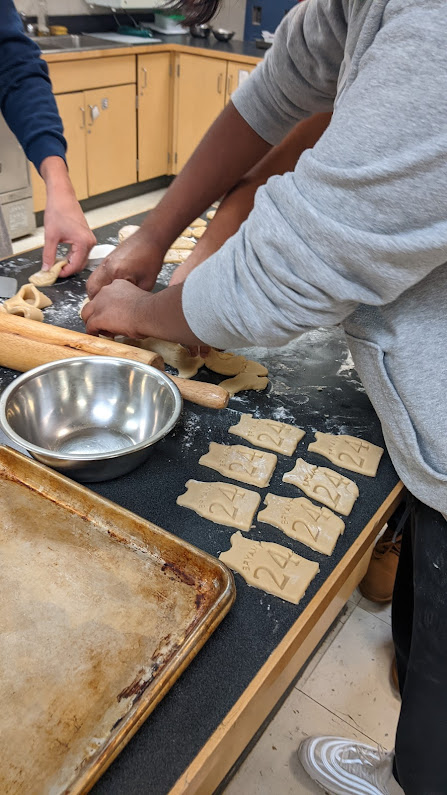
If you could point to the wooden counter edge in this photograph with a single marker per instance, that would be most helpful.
(141, 49)
(225, 745)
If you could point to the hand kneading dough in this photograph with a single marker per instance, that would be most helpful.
(223, 503)
(270, 567)
(324, 485)
(127, 231)
(316, 527)
(270, 434)
(348, 452)
(244, 381)
(240, 463)
(176, 256)
(47, 278)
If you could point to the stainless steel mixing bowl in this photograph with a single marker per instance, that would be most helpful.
(93, 418)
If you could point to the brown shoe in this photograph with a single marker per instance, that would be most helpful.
(378, 582)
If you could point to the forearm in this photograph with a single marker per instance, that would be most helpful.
(54, 173)
(229, 149)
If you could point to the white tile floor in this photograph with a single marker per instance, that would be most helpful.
(345, 688)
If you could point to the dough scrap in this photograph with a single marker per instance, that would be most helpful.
(127, 231)
(199, 232)
(188, 232)
(244, 381)
(29, 295)
(84, 303)
(25, 310)
(348, 452)
(324, 485)
(222, 503)
(173, 354)
(176, 256)
(270, 434)
(316, 527)
(227, 363)
(47, 278)
(240, 463)
(270, 567)
(198, 222)
(211, 214)
(2, 308)
(184, 243)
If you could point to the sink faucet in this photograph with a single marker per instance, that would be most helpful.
(42, 18)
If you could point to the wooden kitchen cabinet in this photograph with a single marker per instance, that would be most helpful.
(72, 111)
(154, 84)
(236, 74)
(111, 138)
(199, 97)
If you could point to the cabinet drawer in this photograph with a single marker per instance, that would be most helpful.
(69, 76)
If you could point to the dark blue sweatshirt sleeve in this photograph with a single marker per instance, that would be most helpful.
(26, 97)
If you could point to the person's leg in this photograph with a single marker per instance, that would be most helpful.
(421, 735)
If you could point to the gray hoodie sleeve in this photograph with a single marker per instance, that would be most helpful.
(298, 76)
(361, 219)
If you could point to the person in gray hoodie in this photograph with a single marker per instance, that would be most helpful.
(355, 235)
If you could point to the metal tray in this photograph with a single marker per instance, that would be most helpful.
(101, 611)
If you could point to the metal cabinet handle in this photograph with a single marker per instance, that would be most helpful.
(83, 118)
(230, 85)
(90, 107)
(144, 70)
(220, 83)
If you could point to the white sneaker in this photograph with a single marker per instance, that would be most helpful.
(344, 767)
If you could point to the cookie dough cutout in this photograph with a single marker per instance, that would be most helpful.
(47, 278)
(127, 231)
(316, 527)
(270, 434)
(324, 485)
(29, 312)
(240, 463)
(270, 567)
(211, 214)
(227, 363)
(348, 452)
(222, 503)
(176, 256)
(244, 381)
(188, 232)
(198, 222)
(174, 354)
(29, 295)
(199, 232)
(183, 243)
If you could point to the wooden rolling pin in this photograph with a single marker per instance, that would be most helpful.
(25, 344)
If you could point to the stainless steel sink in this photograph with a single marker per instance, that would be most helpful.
(73, 42)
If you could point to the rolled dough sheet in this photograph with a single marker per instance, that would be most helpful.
(316, 527)
(270, 434)
(348, 452)
(270, 567)
(240, 463)
(223, 503)
(324, 485)
(227, 363)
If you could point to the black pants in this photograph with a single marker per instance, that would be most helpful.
(420, 639)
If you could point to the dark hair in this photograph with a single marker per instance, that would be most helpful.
(196, 12)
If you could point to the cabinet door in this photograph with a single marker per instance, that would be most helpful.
(154, 115)
(72, 111)
(199, 98)
(111, 138)
(236, 74)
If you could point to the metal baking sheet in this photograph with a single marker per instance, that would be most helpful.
(101, 612)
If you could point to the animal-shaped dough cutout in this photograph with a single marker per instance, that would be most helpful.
(270, 434)
(176, 256)
(127, 231)
(29, 295)
(199, 232)
(173, 354)
(211, 214)
(29, 312)
(303, 521)
(244, 381)
(185, 243)
(47, 278)
(226, 363)
(222, 503)
(270, 567)
(240, 463)
(324, 485)
(198, 222)
(348, 452)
